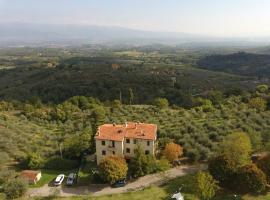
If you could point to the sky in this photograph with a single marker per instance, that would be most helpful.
(237, 18)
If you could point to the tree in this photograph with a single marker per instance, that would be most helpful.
(256, 140)
(6, 175)
(264, 165)
(98, 117)
(113, 168)
(35, 161)
(206, 186)
(204, 104)
(215, 96)
(75, 145)
(258, 103)
(151, 164)
(161, 102)
(173, 151)
(4, 158)
(116, 104)
(251, 179)
(237, 146)
(138, 163)
(262, 88)
(223, 168)
(15, 188)
(131, 96)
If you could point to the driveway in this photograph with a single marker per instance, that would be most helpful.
(98, 190)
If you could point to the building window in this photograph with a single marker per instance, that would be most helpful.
(147, 152)
(128, 141)
(113, 144)
(103, 143)
(134, 141)
(113, 152)
(128, 150)
(103, 153)
(148, 143)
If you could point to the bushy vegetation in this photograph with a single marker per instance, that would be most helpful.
(15, 188)
(251, 179)
(173, 151)
(113, 168)
(206, 186)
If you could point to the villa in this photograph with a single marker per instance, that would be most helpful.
(123, 139)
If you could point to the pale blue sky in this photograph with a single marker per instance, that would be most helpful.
(210, 17)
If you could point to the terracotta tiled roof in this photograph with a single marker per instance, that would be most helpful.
(130, 130)
(29, 174)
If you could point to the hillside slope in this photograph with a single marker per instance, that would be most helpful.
(146, 80)
(245, 64)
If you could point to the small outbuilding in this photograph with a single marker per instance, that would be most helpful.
(31, 176)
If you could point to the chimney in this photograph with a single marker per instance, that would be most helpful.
(114, 124)
(126, 124)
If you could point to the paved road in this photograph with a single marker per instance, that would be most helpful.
(98, 190)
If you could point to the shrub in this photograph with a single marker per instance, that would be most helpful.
(15, 188)
(151, 164)
(6, 175)
(138, 164)
(57, 163)
(206, 186)
(113, 168)
(163, 165)
(173, 151)
(264, 164)
(251, 179)
(161, 102)
(223, 169)
(35, 161)
(258, 103)
(262, 88)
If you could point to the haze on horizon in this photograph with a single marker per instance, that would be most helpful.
(224, 18)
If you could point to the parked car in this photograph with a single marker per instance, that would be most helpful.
(59, 180)
(120, 183)
(72, 178)
(176, 163)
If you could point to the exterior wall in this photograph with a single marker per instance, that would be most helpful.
(108, 148)
(142, 143)
(120, 148)
(38, 177)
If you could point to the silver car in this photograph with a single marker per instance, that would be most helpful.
(71, 179)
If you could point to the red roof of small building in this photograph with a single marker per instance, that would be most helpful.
(129, 130)
(29, 174)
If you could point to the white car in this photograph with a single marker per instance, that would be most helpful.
(59, 179)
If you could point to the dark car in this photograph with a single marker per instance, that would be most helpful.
(119, 183)
(71, 180)
(176, 163)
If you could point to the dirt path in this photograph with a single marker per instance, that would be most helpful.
(98, 190)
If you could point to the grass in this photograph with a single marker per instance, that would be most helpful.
(85, 174)
(49, 175)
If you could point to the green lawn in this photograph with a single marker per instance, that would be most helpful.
(49, 175)
(86, 175)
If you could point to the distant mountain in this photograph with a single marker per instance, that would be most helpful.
(60, 34)
(38, 33)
